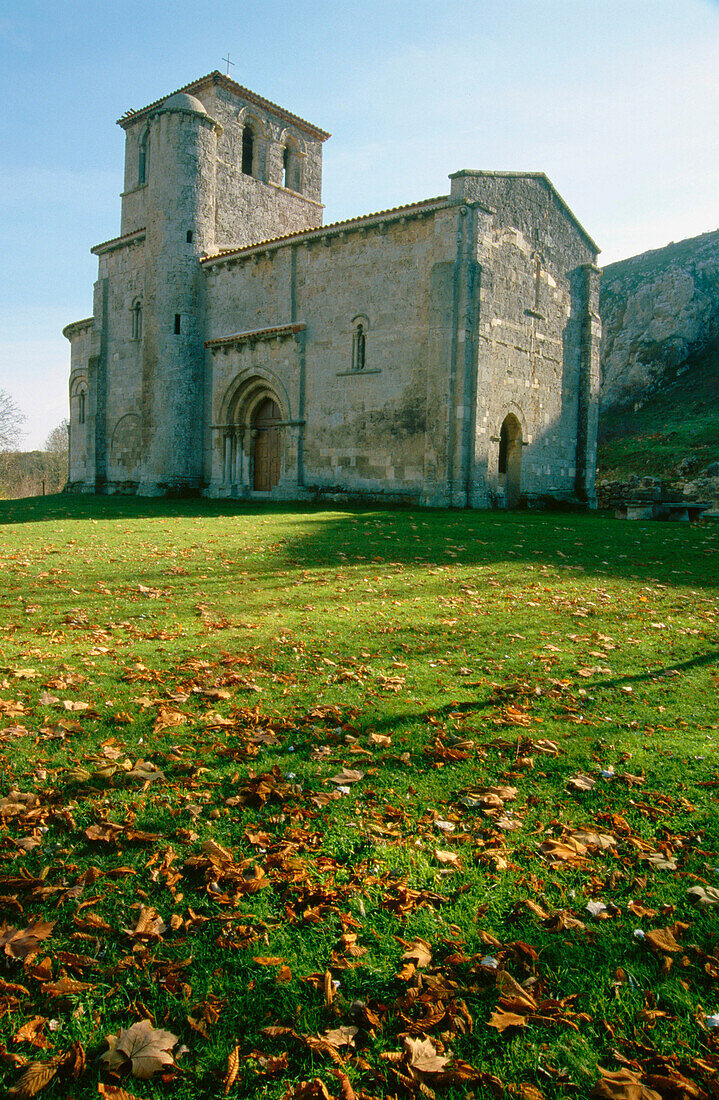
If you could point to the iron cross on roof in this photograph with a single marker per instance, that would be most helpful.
(227, 60)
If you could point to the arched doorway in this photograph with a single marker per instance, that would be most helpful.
(510, 460)
(268, 445)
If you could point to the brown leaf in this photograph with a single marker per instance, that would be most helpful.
(150, 925)
(36, 1076)
(447, 857)
(346, 776)
(420, 953)
(422, 1055)
(346, 1090)
(662, 940)
(145, 1048)
(580, 782)
(233, 1068)
(66, 987)
(112, 1092)
(19, 943)
(309, 1090)
(703, 897)
(513, 995)
(340, 1036)
(529, 1092)
(570, 851)
(624, 1084)
(502, 1020)
(31, 1032)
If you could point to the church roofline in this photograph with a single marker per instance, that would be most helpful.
(230, 85)
(77, 326)
(250, 335)
(543, 178)
(395, 213)
(118, 242)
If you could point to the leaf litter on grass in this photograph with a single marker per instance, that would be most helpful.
(214, 891)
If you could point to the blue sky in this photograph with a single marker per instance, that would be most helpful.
(618, 102)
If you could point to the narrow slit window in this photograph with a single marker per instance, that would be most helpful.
(359, 348)
(178, 319)
(503, 448)
(81, 407)
(136, 320)
(189, 236)
(143, 164)
(248, 150)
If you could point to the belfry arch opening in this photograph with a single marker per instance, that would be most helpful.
(509, 467)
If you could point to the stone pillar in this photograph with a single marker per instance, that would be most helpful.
(588, 388)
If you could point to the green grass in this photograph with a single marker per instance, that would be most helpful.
(223, 643)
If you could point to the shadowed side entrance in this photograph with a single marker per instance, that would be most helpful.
(510, 460)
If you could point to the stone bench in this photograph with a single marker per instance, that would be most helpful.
(682, 510)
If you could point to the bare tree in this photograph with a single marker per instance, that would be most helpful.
(57, 446)
(58, 439)
(11, 421)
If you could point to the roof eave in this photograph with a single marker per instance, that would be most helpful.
(216, 77)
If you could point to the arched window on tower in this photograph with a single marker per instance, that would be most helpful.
(143, 162)
(81, 407)
(248, 150)
(291, 166)
(136, 311)
(359, 346)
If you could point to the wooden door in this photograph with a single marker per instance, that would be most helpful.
(268, 446)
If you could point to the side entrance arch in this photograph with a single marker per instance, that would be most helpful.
(251, 447)
(509, 467)
(267, 445)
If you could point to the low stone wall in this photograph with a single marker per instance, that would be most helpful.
(635, 490)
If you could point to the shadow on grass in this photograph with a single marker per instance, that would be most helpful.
(594, 547)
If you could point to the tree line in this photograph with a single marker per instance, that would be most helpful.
(29, 473)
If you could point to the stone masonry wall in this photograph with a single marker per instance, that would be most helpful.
(123, 269)
(365, 430)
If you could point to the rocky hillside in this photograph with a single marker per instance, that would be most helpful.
(660, 367)
(658, 309)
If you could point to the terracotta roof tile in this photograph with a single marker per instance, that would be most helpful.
(217, 77)
(290, 329)
(348, 223)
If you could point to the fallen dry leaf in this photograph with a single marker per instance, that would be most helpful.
(580, 782)
(662, 940)
(624, 1084)
(703, 897)
(340, 1036)
(18, 943)
(502, 1020)
(345, 776)
(422, 1055)
(233, 1068)
(35, 1077)
(143, 1048)
(113, 1092)
(150, 925)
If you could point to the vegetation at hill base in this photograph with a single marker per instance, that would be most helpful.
(360, 803)
(678, 421)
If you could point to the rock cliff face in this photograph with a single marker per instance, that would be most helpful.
(658, 309)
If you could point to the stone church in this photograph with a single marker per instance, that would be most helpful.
(443, 353)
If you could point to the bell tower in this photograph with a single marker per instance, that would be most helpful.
(180, 210)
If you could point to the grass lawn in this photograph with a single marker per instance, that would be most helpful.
(385, 802)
